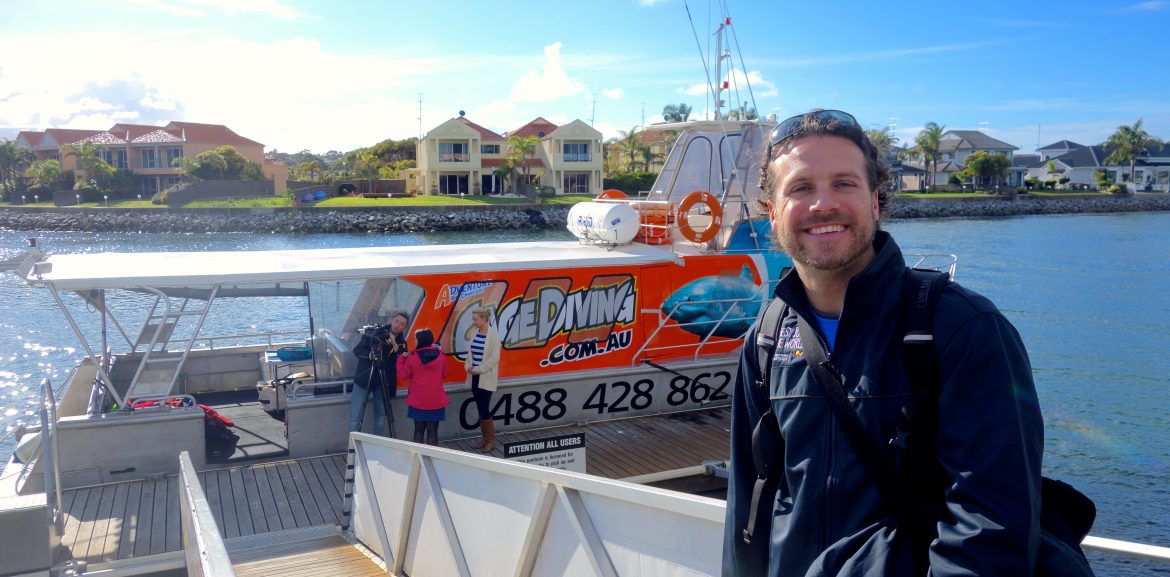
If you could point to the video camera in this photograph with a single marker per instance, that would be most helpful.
(374, 338)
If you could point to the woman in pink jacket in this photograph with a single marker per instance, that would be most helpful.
(426, 401)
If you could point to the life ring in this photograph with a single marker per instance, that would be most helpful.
(611, 193)
(683, 216)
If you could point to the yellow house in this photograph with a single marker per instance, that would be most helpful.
(150, 152)
(462, 157)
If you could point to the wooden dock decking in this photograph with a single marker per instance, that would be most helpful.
(308, 558)
(140, 518)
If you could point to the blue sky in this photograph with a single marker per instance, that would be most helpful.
(295, 74)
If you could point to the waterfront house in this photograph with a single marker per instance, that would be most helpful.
(1083, 164)
(462, 157)
(150, 152)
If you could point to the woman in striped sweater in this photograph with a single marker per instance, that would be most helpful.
(483, 360)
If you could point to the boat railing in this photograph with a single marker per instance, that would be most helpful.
(204, 549)
(311, 389)
(738, 310)
(656, 218)
(433, 511)
(51, 470)
(269, 339)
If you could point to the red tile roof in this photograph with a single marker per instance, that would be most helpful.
(197, 132)
(535, 128)
(32, 137)
(135, 130)
(485, 133)
(64, 136)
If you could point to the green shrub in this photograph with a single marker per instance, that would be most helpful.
(546, 191)
(1119, 189)
(954, 180)
(631, 183)
(160, 197)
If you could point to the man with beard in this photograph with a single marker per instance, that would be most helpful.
(824, 187)
(377, 375)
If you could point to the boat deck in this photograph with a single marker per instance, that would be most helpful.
(133, 519)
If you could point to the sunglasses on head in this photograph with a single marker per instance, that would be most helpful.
(788, 128)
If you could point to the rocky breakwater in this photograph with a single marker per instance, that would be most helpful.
(1024, 205)
(284, 221)
(484, 218)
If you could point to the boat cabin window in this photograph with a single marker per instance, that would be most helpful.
(340, 308)
(702, 168)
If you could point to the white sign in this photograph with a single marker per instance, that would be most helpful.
(565, 452)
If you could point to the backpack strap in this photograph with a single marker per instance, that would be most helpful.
(921, 290)
(920, 294)
(767, 444)
(766, 337)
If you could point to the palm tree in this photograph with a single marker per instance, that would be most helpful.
(11, 159)
(883, 140)
(89, 159)
(47, 172)
(927, 144)
(649, 157)
(630, 145)
(1127, 144)
(520, 152)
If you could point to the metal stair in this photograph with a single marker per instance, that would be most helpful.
(160, 368)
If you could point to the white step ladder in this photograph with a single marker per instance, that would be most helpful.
(160, 368)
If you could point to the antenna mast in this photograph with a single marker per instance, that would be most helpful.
(724, 53)
(420, 134)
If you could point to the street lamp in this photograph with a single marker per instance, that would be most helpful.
(139, 197)
(36, 199)
(106, 199)
(78, 197)
(22, 201)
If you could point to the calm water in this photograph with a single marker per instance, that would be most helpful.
(1089, 293)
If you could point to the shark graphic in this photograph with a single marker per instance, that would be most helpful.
(700, 304)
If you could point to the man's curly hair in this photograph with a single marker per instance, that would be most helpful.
(814, 125)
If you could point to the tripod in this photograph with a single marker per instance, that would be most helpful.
(378, 362)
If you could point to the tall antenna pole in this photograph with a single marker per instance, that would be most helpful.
(420, 134)
(593, 114)
(643, 125)
(723, 53)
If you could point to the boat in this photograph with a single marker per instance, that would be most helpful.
(644, 314)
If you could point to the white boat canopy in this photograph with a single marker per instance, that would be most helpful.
(172, 269)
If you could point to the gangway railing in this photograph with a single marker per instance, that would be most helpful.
(433, 511)
(203, 547)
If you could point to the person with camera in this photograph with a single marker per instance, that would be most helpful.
(427, 402)
(377, 372)
(483, 361)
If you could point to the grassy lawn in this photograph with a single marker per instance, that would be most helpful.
(1070, 192)
(262, 202)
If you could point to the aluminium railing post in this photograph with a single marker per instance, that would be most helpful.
(51, 470)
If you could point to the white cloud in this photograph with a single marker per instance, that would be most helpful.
(1152, 6)
(163, 6)
(613, 93)
(549, 83)
(737, 82)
